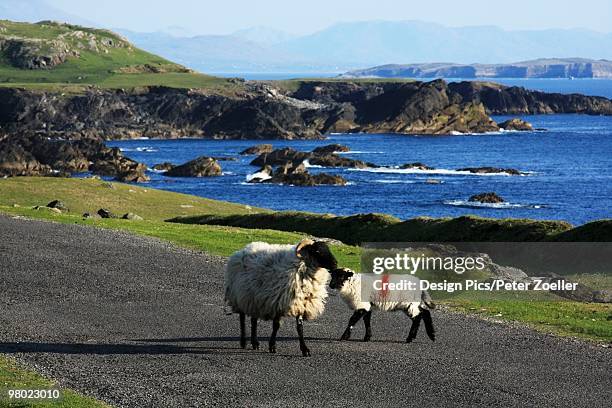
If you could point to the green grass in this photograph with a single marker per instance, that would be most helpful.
(542, 311)
(357, 229)
(105, 68)
(15, 376)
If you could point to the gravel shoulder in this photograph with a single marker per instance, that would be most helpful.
(139, 322)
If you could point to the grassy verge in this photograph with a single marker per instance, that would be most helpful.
(356, 229)
(14, 376)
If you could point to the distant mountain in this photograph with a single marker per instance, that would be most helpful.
(33, 11)
(380, 42)
(541, 68)
(348, 46)
(263, 35)
(213, 53)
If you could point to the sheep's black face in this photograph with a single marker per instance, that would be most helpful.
(319, 254)
(338, 277)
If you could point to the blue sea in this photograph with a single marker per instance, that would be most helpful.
(568, 172)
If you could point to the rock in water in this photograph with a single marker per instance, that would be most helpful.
(258, 149)
(516, 124)
(262, 175)
(330, 149)
(488, 170)
(280, 156)
(416, 166)
(486, 198)
(308, 180)
(136, 174)
(165, 166)
(200, 167)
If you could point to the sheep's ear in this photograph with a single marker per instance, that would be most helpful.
(348, 273)
(299, 249)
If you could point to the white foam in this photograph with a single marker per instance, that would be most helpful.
(447, 172)
(395, 181)
(476, 204)
(359, 152)
(307, 164)
(259, 175)
(145, 149)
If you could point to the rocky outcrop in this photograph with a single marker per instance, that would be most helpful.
(512, 100)
(257, 149)
(516, 124)
(542, 68)
(33, 154)
(200, 167)
(330, 149)
(489, 170)
(165, 166)
(297, 175)
(417, 166)
(289, 155)
(486, 198)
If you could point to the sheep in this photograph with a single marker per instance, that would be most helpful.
(269, 281)
(348, 285)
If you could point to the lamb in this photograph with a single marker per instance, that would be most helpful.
(268, 282)
(348, 285)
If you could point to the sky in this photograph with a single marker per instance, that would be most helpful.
(307, 16)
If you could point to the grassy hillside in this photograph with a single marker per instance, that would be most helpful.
(49, 55)
(357, 229)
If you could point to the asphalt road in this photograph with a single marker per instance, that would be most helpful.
(138, 322)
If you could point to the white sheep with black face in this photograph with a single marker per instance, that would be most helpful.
(348, 285)
(269, 281)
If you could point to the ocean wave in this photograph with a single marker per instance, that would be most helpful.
(307, 164)
(420, 181)
(359, 152)
(145, 149)
(498, 206)
(395, 181)
(259, 175)
(445, 172)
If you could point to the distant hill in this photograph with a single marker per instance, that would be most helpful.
(215, 53)
(348, 46)
(48, 54)
(540, 68)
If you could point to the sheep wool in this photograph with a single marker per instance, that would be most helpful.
(267, 281)
(350, 293)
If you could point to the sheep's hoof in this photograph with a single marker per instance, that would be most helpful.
(345, 336)
(367, 338)
(243, 344)
(305, 352)
(409, 340)
(272, 349)
(255, 345)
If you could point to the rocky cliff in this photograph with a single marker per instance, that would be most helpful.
(541, 68)
(260, 112)
(513, 100)
(372, 96)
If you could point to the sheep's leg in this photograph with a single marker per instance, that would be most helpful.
(429, 328)
(300, 330)
(275, 327)
(352, 322)
(242, 330)
(254, 342)
(416, 322)
(367, 320)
